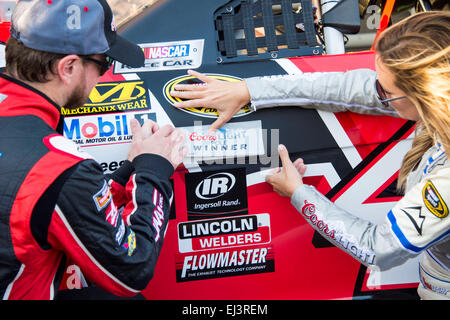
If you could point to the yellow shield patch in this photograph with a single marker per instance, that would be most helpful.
(433, 201)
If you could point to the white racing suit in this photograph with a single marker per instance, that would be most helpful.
(419, 222)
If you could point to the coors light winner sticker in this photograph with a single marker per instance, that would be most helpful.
(233, 140)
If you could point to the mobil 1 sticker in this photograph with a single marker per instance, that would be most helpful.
(216, 193)
(211, 234)
(103, 129)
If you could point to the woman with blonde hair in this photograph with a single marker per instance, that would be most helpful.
(412, 81)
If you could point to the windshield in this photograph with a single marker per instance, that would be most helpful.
(123, 12)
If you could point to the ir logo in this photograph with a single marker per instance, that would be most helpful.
(215, 185)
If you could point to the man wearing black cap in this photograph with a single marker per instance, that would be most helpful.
(55, 202)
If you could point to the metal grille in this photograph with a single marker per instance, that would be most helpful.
(265, 29)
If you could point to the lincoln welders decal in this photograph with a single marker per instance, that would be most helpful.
(214, 193)
(204, 111)
(113, 97)
(224, 247)
(224, 232)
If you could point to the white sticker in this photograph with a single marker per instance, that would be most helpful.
(103, 129)
(177, 55)
(233, 140)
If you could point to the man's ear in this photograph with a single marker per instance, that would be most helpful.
(68, 68)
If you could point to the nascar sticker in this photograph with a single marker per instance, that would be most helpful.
(161, 56)
(204, 111)
(433, 201)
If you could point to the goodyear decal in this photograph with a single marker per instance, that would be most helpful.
(205, 111)
(433, 201)
(112, 97)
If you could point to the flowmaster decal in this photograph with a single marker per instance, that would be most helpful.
(160, 56)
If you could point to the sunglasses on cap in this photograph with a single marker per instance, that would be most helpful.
(104, 66)
(382, 95)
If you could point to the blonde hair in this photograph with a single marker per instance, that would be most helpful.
(417, 52)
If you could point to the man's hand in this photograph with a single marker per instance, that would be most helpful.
(166, 141)
(287, 179)
(139, 133)
(226, 97)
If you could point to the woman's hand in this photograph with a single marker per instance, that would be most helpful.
(226, 97)
(287, 179)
